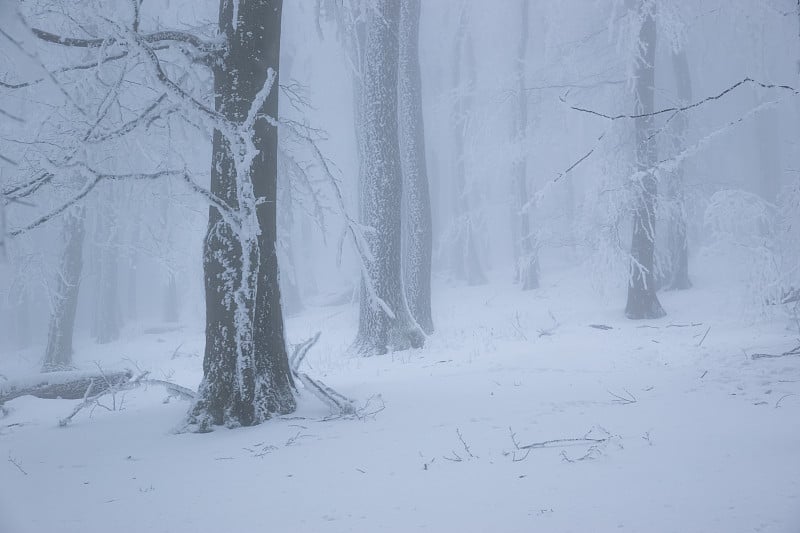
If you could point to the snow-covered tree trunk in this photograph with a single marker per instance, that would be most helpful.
(247, 377)
(417, 201)
(642, 299)
(677, 268)
(385, 323)
(107, 313)
(58, 354)
(527, 267)
(465, 262)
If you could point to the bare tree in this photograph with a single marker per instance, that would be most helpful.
(247, 377)
(465, 263)
(58, 354)
(642, 299)
(418, 220)
(527, 268)
(676, 275)
(246, 369)
(385, 322)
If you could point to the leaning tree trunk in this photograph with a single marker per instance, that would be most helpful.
(465, 262)
(528, 262)
(58, 354)
(246, 369)
(385, 322)
(418, 219)
(642, 299)
(677, 271)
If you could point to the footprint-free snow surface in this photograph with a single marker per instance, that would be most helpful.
(536, 411)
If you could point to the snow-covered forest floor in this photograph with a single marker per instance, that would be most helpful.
(693, 435)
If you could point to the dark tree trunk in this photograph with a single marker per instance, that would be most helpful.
(642, 299)
(58, 354)
(465, 261)
(528, 262)
(417, 200)
(677, 268)
(246, 369)
(385, 322)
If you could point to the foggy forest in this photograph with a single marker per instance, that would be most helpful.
(395, 265)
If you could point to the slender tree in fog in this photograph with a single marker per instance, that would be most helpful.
(465, 261)
(676, 271)
(385, 321)
(418, 220)
(642, 299)
(106, 320)
(58, 354)
(527, 268)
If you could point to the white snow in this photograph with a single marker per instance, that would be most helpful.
(711, 443)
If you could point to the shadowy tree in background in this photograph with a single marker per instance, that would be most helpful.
(527, 267)
(676, 271)
(418, 220)
(385, 322)
(107, 319)
(642, 299)
(58, 354)
(465, 263)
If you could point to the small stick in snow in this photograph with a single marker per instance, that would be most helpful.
(623, 399)
(699, 344)
(604, 327)
(778, 403)
(15, 463)
(793, 351)
(463, 443)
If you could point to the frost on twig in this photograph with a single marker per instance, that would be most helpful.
(597, 438)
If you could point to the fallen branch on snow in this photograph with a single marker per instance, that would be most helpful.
(338, 403)
(793, 351)
(64, 385)
(597, 438)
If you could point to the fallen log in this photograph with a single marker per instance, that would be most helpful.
(68, 385)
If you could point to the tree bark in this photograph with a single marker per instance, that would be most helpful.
(58, 354)
(246, 370)
(642, 299)
(417, 200)
(385, 323)
(528, 262)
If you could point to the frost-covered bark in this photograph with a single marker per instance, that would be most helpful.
(465, 263)
(527, 267)
(417, 201)
(642, 299)
(677, 269)
(385, 322)
(246, 370)
(107, 316)
(58, 354)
